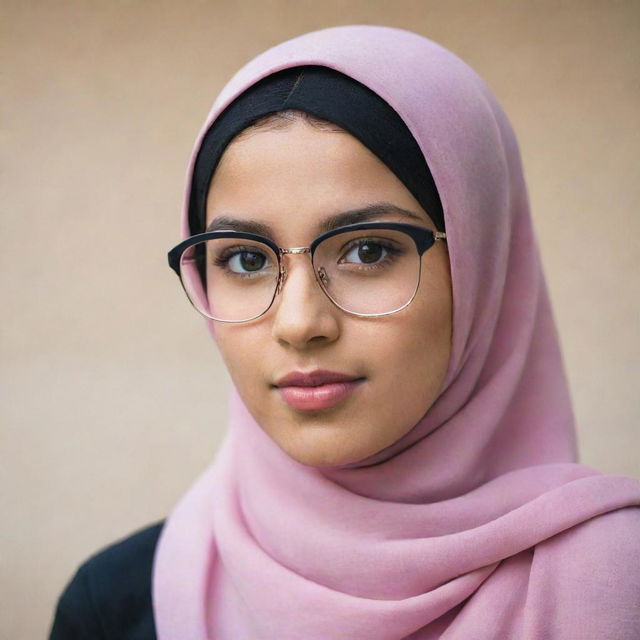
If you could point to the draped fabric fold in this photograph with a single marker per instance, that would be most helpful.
(479, 522)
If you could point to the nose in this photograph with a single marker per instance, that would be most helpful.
(303, 314)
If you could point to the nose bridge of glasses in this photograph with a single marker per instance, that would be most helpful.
(295, 250)
(283, 270)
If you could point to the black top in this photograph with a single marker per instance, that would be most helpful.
(109, 597)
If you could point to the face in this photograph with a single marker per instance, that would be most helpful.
(291, 179)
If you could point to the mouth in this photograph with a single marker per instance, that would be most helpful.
(316, 390)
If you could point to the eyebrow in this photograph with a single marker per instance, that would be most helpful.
(352, 216)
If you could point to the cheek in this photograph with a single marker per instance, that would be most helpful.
(413, 362)
(409, 355)
(425, 348)
(239, 348)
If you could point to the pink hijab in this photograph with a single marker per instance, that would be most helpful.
(478, 523)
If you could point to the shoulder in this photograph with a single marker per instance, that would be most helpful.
(605, 545)
(109, 596)
(613, 536)
(595, 566)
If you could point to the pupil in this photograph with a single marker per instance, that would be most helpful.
(252, 261)
(369, 252)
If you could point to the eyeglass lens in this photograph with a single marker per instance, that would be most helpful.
(362, 271)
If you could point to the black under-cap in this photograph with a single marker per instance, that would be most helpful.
(330, 95)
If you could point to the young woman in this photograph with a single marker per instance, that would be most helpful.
(401, 458)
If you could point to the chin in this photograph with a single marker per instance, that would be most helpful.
(325, 461)
(312, 453)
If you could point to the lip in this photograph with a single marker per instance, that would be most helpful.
(316, 390)
(313, 378)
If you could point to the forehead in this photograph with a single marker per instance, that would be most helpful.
(295, 178)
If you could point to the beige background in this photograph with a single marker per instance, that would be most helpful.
(113, 397)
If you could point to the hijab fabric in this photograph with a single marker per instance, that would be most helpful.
(476, 524)
(328, 94)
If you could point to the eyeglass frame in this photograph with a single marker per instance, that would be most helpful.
(423, 238)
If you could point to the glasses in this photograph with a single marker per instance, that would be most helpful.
(365, 269)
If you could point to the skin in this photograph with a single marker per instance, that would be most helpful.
(290, 178)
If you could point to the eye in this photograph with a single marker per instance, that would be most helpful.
(367, 251)
(246, 261)
(242, 261)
